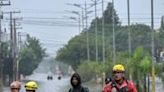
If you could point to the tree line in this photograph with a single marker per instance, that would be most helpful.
(140, 64)
(28, 59)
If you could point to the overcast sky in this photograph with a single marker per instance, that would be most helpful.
(54, 34)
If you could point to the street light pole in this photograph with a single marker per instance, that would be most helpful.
(84, 17)
(129, 31)
(88, 49)
(114, 44)
(103, 39)
(79, 19)
(96, 41)
(153, 53)
(96, 30)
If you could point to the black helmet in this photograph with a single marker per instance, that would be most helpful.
(107, 80)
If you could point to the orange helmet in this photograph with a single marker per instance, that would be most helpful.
(15, 84)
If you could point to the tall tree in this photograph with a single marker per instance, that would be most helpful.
(31, 56)
(75, 51)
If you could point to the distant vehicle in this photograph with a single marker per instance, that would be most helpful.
(59, 77)
(50, 76)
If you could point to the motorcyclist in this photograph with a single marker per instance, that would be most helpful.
(119, 82)
(31, 86)
(15, 86)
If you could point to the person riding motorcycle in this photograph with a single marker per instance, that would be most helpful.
(31, 86)
(15, 86)
(119, 83)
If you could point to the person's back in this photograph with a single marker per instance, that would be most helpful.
(76, 84)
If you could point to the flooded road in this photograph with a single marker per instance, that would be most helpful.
(44, 85)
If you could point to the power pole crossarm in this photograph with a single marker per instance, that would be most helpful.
(5, 4)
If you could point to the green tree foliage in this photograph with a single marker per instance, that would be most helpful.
(30, 56)
(89, 70)
(137, 68)
(109, 13)
(140, 36)
(7, 64)
(75, 51)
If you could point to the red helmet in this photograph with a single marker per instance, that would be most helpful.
(15, 84)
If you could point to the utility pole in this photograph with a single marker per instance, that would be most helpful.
(20, 46)
(114, 43)
(129, 31)
(96, 41)
(103, 43)
(86, 23)
(103, 29)
(82, 18)
(12, 44)
(13, 41)
(1, 60)
(129, 35)
(14, 49)
(16, 52)
(153, 53)
(79, 21)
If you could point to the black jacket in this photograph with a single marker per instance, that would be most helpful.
(78, 87)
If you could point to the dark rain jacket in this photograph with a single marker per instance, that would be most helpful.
(78, 87)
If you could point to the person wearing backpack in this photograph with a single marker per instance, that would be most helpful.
(77, 84)
(119, 83)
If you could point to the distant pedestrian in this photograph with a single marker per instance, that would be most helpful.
(76, 84)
